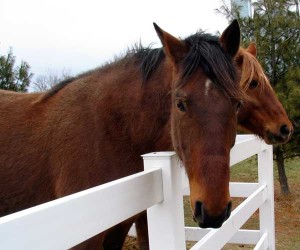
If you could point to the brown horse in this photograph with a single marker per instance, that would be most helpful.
(92, 129)
(262, 113)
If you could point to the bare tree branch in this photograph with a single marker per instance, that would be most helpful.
(47, 81)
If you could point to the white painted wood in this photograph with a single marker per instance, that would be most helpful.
(244, 149)
(242, 236)
(195, 233)
(166, 219)
(236, 189)
(266, 211)
(132, 231)
(186, 191)
(241, 138)
(217, 238)
(66, 222)
(262, 243)
(241, 189)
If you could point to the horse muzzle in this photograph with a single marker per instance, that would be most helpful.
(282, 136)
(205, 220)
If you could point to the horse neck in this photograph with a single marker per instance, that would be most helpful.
(137, 112)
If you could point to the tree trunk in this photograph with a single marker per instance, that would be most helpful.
(285, 190)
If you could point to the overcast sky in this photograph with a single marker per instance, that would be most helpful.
(81, 35)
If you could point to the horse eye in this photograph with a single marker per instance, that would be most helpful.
(180, 106)
(253, 84)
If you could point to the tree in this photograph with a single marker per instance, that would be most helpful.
(44, 82)
(11, 77)
(289, 94)
(275, 28)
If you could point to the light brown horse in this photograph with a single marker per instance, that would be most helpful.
(92, 129)
(261, 114)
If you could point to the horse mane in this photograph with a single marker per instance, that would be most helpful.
(149, 60)
(251, 68)
(205, 52)
(56, 88)
(136, 49)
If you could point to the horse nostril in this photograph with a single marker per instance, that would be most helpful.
(205, 219)
(284, 130)
(198, 211)
(198, 208)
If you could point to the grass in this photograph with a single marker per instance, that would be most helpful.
(287, 208)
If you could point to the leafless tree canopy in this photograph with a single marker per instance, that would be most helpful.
(46, 81)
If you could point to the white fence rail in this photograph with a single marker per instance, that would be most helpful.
(66, 222)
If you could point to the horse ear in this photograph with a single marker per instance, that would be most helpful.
(252, 49)
(174, 48)
(230, 38)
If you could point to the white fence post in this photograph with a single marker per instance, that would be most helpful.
(266, 211)
(166, 219)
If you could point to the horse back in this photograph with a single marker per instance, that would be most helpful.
(23, 179)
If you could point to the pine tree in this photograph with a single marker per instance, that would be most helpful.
(11, 77)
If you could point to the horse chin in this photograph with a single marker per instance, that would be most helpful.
(272, 138)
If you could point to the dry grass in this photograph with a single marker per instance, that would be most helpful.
(287, 208)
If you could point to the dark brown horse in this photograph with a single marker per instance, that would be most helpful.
(92, 129)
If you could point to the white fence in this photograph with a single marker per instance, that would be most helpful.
(66, 222)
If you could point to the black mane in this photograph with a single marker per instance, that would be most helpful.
(57, 88)
(205, 52)
(150, 59)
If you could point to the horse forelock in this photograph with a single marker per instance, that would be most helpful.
(206, 53)
(251, 68)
